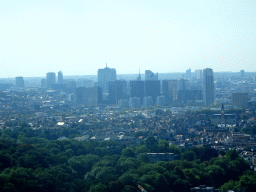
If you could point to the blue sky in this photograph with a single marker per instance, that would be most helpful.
(79, 37)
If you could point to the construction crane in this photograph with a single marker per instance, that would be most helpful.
(141, 189)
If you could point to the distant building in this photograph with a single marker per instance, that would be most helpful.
(154, 157)
(152, 88)
(19, 82)
(223, 119)
(208, 86)
(50, 79)
(160, 101)
(188, 73)
(117, 90)
(134, 102)
(104, 76)
(169, 90)
(199, 74)
(137, 89)
(240, 100)
(182, 86)
(60, 77)
(89, 95)
(149, 75)
(147, 101)
(80, 95)
(43, 83)
(93, 95)
(203, 188)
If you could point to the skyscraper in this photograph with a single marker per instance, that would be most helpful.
(169, 90)
(208, 86)
(60, 77)
(104, 76)
(137, 89)
(50, 79)
(117, 90)
(149, 75)
(152, 88)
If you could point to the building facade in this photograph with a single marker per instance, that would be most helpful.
(105, 76)
(50, 79)
(208, 86)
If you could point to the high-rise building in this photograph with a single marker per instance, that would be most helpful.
(240, 100)
(199, 74)
(137, 89)
(152, 88)
(182, 87)
(80, 95)
(93, 95)
(188, 73)
(60, 77)
(149, 75)
(19, 82)
(89, 95)
(104, 76)
(50, 79)
(208, 86)
(117, 90)
(169, 90)
(43, 83)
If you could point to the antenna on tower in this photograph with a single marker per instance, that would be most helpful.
(139, 78)
(106, 65)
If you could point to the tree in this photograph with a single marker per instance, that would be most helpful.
(151, 144)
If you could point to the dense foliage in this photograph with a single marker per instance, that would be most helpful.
(32, 163)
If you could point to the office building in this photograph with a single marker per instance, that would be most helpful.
(149, 75)
(188, 73)
(104, 76)
(169, 90)
(134, 102)
(147, 101)
(208, 86)
(19, 82)
(117, 90)
(152, 88)
(93, 96)
(137, 89)
(60, 77)
(199, 74)
(160, 101)
(80, 97)
(240, 100)
(50, 79)
(182, 87)
(89, 96)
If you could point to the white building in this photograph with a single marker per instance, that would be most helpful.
(104, 76)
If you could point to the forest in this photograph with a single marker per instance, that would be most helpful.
(33, 162)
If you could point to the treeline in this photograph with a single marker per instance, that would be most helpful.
(38, 164)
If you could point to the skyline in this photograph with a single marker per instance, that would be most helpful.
(78, 38)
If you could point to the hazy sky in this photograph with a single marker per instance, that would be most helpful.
(78, 37)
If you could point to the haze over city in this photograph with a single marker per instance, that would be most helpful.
(79, 37)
